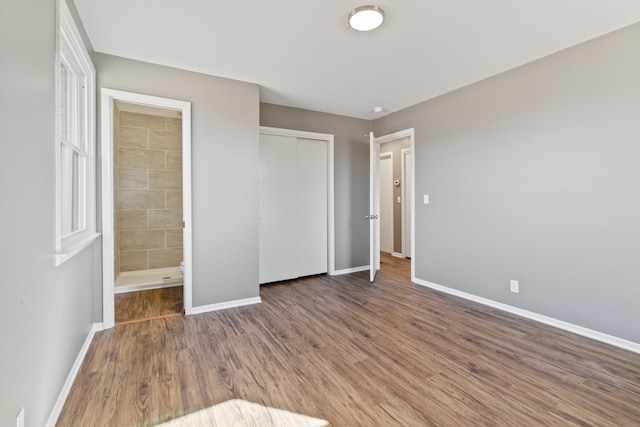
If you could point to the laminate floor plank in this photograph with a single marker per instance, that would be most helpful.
(148, 304)
(353, 353)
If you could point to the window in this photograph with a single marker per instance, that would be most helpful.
(75, 141)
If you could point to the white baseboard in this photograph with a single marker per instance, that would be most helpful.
(223, 305)
(349, 270)
(397, 254)
(136, 288)
(66, 388)
(560, 324)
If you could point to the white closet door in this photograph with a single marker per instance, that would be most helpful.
(312, 206)
(278, 208)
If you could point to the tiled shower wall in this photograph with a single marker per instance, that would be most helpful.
(149, 220)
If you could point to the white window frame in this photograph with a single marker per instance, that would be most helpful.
(79, 139)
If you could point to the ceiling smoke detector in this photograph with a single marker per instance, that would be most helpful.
(366, 18)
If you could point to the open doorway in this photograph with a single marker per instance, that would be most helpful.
(393, 185)
(391, 192)
(148, 212)
(146, 201)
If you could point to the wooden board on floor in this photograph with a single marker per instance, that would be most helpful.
(149, 304)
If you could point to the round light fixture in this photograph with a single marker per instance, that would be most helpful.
(366, 18)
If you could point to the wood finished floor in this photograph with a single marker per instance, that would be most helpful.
(150, 304)
(356, 354)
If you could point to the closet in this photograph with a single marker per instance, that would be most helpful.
(293, 206)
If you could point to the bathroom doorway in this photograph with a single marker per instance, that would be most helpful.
(146, 207)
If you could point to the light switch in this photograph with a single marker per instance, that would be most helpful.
(426, 199)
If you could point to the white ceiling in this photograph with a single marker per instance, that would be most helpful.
(303, 54)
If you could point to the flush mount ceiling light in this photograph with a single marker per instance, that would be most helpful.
(366, 18)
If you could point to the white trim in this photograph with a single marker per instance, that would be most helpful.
(397, 254)
(349, 270)
(61, 258)
(69, 39)
(403, 205)
(66, 387)
(108, 96)
(331, 245)
(560, 324)
(147, 287)
(225, 305)
(408, 133)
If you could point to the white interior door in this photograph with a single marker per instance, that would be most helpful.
(408, 189)
(386, 202)
(312, 206)
(374, 207)
(278, 208)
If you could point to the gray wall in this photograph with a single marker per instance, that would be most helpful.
(533, 175)
(45, 311)
(224, 170)
(351, 162)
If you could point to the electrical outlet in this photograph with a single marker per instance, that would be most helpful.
(20, 418)
(515, 287)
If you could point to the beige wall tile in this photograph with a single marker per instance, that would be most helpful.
(116, 265)
(141, 199)
(140, 239)
(132, 178)
(173, 239)
(133, 220)
(174, 199)
(133, 137)
(134, 260)
(174, 160)
(174, 123)
(162, 258)
(165, 180)
(165, 219)
(116, 199)
(141, 158)
(165, 140)
(142, 120)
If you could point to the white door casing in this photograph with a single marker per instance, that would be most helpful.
(407, 190)
(108, 97)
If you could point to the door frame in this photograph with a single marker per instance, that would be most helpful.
(407, 133)
(108, 97)
(331, 249)
(403, 205)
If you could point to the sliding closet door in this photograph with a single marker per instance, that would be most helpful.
(312, 206)
(278, 208)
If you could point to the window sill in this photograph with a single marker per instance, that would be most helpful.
(61, 258)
